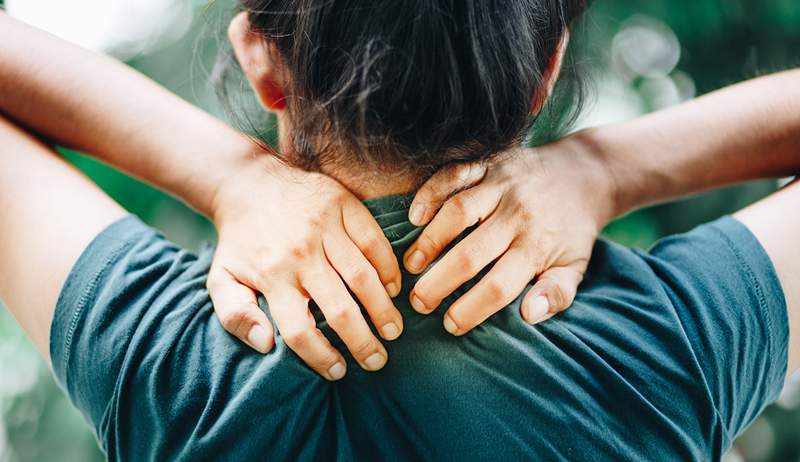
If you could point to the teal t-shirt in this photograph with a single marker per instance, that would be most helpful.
(665, 355)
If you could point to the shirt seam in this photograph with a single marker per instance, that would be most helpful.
(726, 435)
(762, 303)
(83, 301)
(759, 291)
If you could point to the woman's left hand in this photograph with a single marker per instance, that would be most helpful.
(538, 212)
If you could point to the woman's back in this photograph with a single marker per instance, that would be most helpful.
(655, 361)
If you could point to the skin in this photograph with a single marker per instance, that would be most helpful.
(519, 230)
(102, 108)
(36, 183)
(743, 132)
(269, 79)
(625, 179)
(780, 242)
(333, 244)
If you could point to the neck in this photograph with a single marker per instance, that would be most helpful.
(366, 181)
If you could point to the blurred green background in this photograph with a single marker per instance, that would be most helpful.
(640, 55)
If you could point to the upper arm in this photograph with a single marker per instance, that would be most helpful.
(49, 212)
(729, 306)
(141, 354)
(135, 341)
(775, 221)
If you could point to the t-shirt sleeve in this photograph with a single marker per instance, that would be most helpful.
(136, 344)
(80, 335)
(731, 307)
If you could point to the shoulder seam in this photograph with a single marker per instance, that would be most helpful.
(82, 302)
(759, 291)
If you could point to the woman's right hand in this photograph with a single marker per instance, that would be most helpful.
(296, 236)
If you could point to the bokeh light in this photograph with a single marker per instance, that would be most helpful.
(643, 55)
(121, 28)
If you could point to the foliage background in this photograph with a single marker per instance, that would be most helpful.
(640, 55)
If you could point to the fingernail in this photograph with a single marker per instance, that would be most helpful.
(337, 371)
(392, 289)
(415, 260)
(416, 214)
(417, 304)
(375, 362)
(390, 331)
(537, 309)
(257, 337)
(449, 325)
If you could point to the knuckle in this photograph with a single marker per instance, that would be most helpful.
(456, 207)
(578, 279)
(297, 339)
(317, 272)
(497, 290)
(267, 262)
(339, 196)
(558, 296)
(213, 283)
(466, 262)
(464, 321)
(370, 240)
(464, 173)
(358, 276)
(317, 221)
(427, 242)
(299, 251)
(325, 361)
(524, 215)
(339, 317)
(422, 292)
(364, 348)
(530, 252)
(383, 313)
(233, 321)
(266, 273)
(428, 194)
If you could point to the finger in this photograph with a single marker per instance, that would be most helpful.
(344, 317)
(238, 311)
(362, 279)
(368, 236)
(445, 183)
(506, 280)
(553, 292)
(457, 214)
(459, 265)
(289, 309)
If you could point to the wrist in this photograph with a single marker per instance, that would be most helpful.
(623, 180)
(600, 173)
(226, 176)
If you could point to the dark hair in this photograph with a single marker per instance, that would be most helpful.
(413, 83)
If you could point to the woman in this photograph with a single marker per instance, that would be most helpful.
(181, 142)
(663, 356)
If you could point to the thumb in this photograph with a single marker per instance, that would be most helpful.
(237, 309)
(443, 184)
(553, 292)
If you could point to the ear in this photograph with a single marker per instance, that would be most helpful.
(550, 75)
(259, 61)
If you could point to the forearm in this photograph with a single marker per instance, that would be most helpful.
(744, 132)
(49, 213)
(91, 103)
